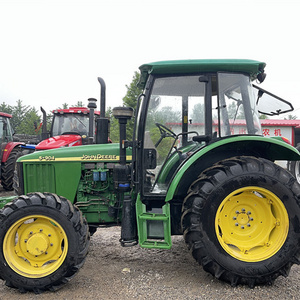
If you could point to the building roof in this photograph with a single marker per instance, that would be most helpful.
(268, 122)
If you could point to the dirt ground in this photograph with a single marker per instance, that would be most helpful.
(114, 272)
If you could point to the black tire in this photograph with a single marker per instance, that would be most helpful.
(8, 168)
(294, 167)
(15, 185)
(44, 242)
(224, 201)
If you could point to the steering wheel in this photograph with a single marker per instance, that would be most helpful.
(164, 132)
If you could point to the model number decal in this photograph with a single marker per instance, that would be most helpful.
(47, 158)
(99, 157)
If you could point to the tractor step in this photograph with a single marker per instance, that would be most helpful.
(154, 227)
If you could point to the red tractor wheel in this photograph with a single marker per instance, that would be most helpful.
(8, 168)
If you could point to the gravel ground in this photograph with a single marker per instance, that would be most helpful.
(114, 272)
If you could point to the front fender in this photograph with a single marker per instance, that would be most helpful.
(205, 157)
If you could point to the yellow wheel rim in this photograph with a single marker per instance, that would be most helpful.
(35, 246)
(252, 224)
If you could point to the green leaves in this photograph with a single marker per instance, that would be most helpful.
(24, 117)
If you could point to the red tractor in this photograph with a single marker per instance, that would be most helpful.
(10, 151)
(70, 127)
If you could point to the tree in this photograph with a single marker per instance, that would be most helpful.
(64, 106)
(6, 108)
(19, 112)
(263, 116)
(129, 100)
(27, 125)
(78, 104)
(291, 117)
(114, 126)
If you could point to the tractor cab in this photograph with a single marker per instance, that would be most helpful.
(70, 127)
(182, 113)
(6, 131)
(74, 120)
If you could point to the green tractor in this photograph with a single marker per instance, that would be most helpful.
(197, 166)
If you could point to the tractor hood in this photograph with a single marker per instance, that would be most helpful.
(86, 153)
(66, 140)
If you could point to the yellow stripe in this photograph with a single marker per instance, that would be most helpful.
(64, 159)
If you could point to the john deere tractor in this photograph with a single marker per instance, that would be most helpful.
(197, 166)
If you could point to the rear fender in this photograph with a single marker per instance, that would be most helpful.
(9, 147)
(257, 146)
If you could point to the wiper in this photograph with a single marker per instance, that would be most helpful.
(80, 121)
(239, 102)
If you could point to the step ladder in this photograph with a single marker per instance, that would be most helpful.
(154, 227)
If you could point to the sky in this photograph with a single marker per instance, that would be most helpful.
(52, 51)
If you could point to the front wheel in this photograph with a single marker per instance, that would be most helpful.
(294, 166)
(241, 220)
(44, 241)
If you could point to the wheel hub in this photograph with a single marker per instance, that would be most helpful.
(242, 219)
(251, 224)
(37, 244)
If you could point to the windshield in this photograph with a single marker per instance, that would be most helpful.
(6, 131)
(63, 123)
(237, 106)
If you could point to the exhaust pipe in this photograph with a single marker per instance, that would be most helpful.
(91, 106)
(102, 122)
(45, 134)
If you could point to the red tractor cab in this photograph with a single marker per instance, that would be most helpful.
(70, 127)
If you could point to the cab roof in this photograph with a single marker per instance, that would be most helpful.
(176, 67)
(76, 110)
(6, 115)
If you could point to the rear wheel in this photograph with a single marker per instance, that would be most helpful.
(8, 168)
(240, 221)
(44, 241)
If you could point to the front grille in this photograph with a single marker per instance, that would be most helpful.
(39, 178)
